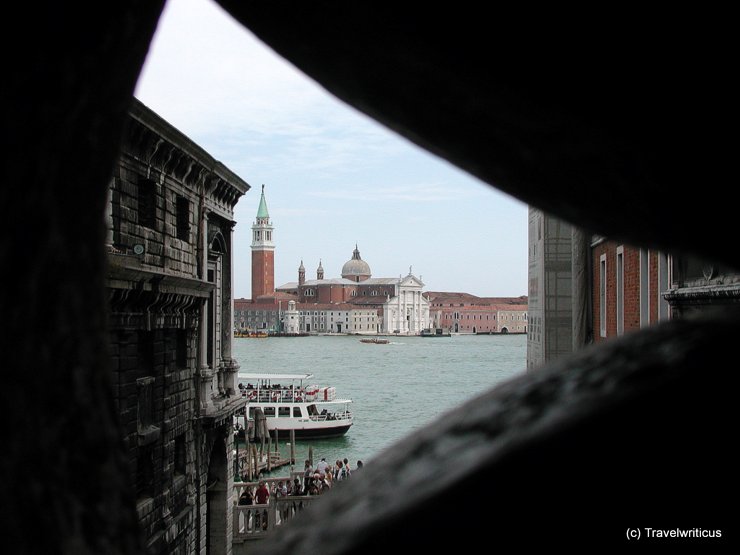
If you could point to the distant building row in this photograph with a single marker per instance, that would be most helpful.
(359, 303)
(451, 312)
(465, 313)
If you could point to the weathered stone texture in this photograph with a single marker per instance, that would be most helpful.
(563, 115)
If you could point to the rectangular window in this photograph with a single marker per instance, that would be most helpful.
(182, 208)
(145, 471)
(620, 290)
(147, 203)
(602, 295)
(664, 278)
(296, 412)
(145, 404)
(284, 411)
(145, 351)
(644, 288)
(181, 354)
(180, 455)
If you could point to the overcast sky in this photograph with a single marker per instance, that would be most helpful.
(333, 177)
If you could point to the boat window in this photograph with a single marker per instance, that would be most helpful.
(297, 412)
(269, 411)
(284, 411)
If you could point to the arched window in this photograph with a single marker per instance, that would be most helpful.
(218, 244)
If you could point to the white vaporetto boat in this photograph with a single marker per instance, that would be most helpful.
(292, 402)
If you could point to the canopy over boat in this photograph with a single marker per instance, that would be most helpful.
(273, 376)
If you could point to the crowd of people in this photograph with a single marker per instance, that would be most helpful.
(321, 479)
(315, 481)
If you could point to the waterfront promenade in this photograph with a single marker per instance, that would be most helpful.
(254, 521)
(264, 505)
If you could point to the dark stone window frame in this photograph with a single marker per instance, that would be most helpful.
(182, 218)
(145, 471)
(180, 455)
(146, 203)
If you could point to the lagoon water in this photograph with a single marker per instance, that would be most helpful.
(396, 388)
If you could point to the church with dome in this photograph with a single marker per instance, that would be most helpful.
(399, 302)
(356, 302)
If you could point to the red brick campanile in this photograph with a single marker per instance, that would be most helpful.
(263, 252)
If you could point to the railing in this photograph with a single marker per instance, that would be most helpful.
(256, 521)
(283, 394)
(342, 415)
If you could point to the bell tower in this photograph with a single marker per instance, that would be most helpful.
(263, 252)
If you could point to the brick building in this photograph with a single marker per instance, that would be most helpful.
(170, 220)
(586, 288)
(399, 303)
(628, 286)
(466, 313)
(263, 252)
(633, 288)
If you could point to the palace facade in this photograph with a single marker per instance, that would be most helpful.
(170, 217)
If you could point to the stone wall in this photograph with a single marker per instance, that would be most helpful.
(157, 427)
(169, 248)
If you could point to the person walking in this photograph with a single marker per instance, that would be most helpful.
(322, 466)
(263, 496)
(307, 475)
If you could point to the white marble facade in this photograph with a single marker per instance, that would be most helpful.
(408, 311)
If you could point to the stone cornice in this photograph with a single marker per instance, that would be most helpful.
(701, 294)
(223, 410)
(127, 272)
(160, 145)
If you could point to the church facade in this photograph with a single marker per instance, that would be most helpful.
(356, 302)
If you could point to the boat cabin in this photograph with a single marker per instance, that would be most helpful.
(286, 398)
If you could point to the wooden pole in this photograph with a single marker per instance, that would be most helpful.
(236, 444)
(310, 456)
(269, 453)
(292, 446)
(248, 461)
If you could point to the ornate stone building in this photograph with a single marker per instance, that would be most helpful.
(170, 220)
(697, 285)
